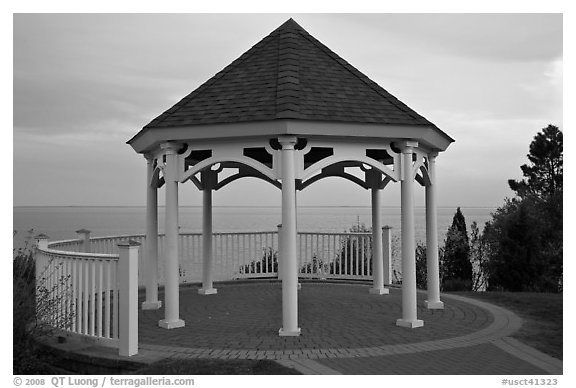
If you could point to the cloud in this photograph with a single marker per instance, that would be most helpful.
(499, 37)
(84, 84)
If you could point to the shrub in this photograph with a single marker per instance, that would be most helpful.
(32, 305)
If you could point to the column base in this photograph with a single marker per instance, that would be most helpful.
(434, 305)
(171, 324)
(412, 324)
(379, 291)
(207, 291)
(284, 333)
(154, 305)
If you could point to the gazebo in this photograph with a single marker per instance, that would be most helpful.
(290, 112)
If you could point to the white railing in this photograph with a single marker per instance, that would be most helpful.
(254, 255)
(83, 291)
(93, 295)
(335, 255)
(80, 293)
(74, 245)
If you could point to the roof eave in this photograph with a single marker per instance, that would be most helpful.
(149, 138)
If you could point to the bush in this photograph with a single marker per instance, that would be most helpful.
(525, 245)
(33, 302)
(348, 260)
(269, 263)
(421, 266)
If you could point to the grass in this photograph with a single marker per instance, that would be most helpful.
(541, 312)
(216, 367)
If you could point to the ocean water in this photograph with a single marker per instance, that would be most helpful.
(60, 223)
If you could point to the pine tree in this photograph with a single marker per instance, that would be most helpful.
(544, 175)
(524, 239)
(457, 269)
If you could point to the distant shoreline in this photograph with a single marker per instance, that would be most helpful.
(248, 206)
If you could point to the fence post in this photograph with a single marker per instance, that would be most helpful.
(128, 303)
(279, 259)
(84, 235)
(41, 241)
(387, 254)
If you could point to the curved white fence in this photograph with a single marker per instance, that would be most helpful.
(83, 291)
(88, 287)
(251, 254)
(91, 295)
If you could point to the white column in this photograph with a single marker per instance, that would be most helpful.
(128, 303)
(172, 279)
(151, 253)
(409, 311)
(84, 235)
(377, 254)
(432, 262)
(288, 246)
(387, 254)
(207, 287)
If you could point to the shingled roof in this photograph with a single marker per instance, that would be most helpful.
(289, 75)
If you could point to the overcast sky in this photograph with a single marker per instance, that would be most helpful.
(85, 84)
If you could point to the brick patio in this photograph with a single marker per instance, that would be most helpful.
(345, 330)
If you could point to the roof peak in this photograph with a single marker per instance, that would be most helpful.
(289, 75)
(290, 24)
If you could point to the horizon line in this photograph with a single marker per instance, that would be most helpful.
(250, 206)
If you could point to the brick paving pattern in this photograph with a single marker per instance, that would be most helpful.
(331, 316)
(345, 330)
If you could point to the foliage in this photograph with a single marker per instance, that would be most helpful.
(421, 266)
(525, 245)
(34, 302)
(523, 240)
(456, 266)
(478, 258)
(544, 175)
(267, 264)
(355, 254)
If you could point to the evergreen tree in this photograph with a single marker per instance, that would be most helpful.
(457, 269)
(544, 175)
(478, 258)
(524, 238)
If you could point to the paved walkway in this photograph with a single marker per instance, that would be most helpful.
(345, 330)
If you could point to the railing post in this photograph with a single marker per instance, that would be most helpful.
(84, 235)
(279, 259)
(387, 253)
(128, 303)
(41, 241)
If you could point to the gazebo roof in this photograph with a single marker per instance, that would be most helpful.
(290, 76)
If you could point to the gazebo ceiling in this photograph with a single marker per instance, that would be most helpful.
(289, 83)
